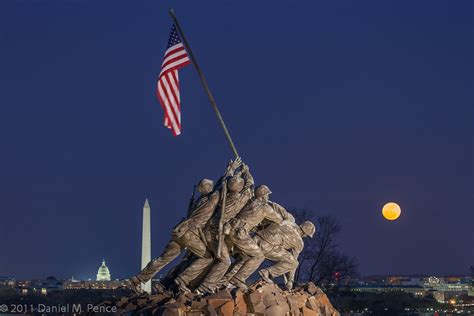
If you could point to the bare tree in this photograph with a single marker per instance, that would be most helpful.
(321, 260)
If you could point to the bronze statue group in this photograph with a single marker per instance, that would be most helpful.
(231, 220)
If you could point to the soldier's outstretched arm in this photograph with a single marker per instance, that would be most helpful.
(283, 212)
(236, 163)
(247, 176)
(230, 170)
(271, 215)
(232, 166)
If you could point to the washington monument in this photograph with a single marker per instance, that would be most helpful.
(146, 243)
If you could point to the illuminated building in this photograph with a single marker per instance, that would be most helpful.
(39, 287)
(446, 288)
(95, 285)
(7, 281)
(103, 274)
(416, 290)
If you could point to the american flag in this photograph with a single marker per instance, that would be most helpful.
(168, 81)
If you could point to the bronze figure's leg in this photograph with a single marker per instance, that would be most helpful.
(195, 269)
(172, 250)
(218, 270)
(254, 255)
(234, 268)
(173, 273)
(192, 240)
(285, 262)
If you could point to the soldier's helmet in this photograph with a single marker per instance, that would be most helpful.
(262, 190)
(205, 186)
(235, 184)
(308, 228)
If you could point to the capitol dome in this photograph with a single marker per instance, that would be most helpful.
(103, 274)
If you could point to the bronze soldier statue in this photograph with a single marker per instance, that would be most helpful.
(252, 215)
(282, 243)
(188, 234)
(239, 193)
(222, 220)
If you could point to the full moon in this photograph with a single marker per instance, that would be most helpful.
(391, 211)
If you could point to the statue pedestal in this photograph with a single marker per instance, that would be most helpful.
(260, 299)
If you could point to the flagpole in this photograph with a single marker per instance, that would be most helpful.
(204, 83)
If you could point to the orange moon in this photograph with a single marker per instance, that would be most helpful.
(391, 211)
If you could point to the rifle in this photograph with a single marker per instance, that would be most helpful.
(191, 201)
(221, 219)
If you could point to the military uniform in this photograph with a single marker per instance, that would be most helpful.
(234, 204)
(187, 235)
(259, 214)
(281, 243)
(246, 221)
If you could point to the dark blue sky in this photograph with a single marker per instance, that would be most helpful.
(338, 106)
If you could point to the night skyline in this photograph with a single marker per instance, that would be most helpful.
(337, 107)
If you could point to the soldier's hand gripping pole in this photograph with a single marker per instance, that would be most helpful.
(221, 219)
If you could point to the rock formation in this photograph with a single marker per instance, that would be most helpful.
(260, 299)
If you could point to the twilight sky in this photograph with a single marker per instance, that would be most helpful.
(338, 106)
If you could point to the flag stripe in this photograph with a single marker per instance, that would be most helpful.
(174, 55)
(176, 80)
(176, 60)
(173, 49)
(170, 120)
(174, 90)
(174, 65)
(172, 100)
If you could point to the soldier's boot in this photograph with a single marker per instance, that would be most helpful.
(202, 289)
(225, 281)
(265, 275)
(181, 285)
(238, 283)
(230, 286)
